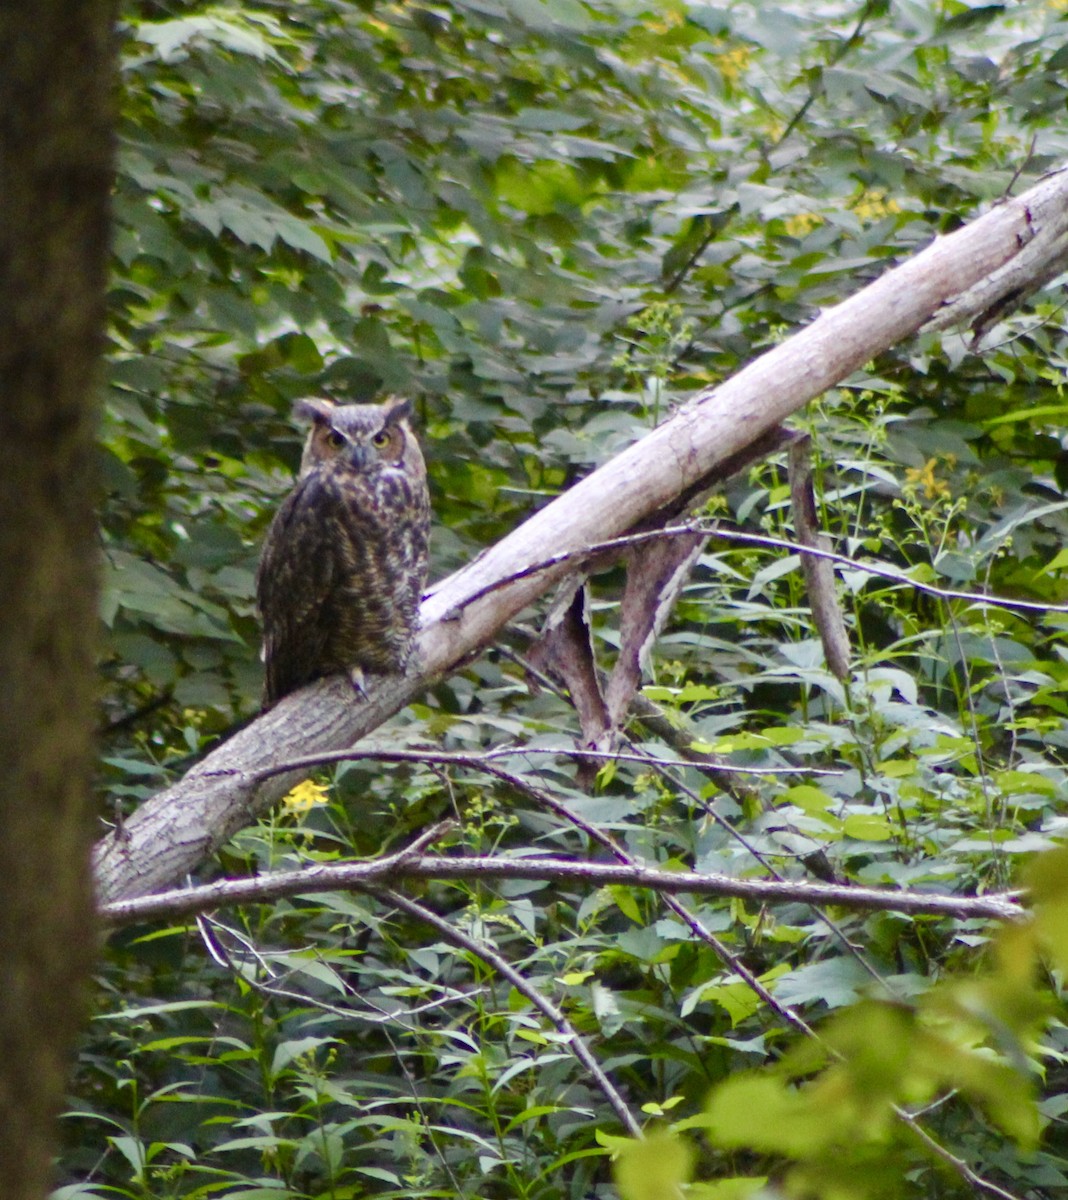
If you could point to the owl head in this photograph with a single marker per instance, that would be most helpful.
(359, 437)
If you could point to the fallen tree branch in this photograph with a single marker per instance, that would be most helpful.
(175, 830)
(378, 873)
(996, 295)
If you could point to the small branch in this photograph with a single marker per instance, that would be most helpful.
(819, 574)
(485, 760)
(957, 1165)
(788, 1015)
(137, 714)
(843, 49)
(882, 570)
(688, 529)
(699, 802)
(543, 1004)
(676, 731)
(409, 864)
(715, 228)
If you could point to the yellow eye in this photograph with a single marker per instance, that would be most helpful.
(335, 439)
(381, 439)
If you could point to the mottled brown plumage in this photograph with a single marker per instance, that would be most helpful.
(344, 563)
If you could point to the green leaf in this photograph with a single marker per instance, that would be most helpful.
(654, 1167)
(763, 1113)
(835, 982)
(867, 827)
(626, 902)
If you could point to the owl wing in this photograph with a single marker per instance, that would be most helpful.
(296, 575)
(415, 549)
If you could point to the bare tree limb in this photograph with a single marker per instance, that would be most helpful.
(378, 873)
(996, 295)
(174, 831)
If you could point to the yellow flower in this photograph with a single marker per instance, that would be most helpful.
(306, 795)
(933, 487)
(873, 204)
(733, 63)
(801, 223)
(666, 21)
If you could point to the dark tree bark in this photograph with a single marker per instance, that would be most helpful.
(56, 96)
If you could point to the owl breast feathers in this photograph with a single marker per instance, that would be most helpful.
(344, 563)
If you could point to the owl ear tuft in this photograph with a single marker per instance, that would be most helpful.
(313, 408)
(397, 408)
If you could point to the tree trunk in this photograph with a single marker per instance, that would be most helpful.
(56, 87)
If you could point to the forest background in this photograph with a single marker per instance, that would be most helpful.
(551, 223)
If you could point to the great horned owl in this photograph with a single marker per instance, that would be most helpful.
(344, 563)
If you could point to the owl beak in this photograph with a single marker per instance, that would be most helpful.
(359, 456)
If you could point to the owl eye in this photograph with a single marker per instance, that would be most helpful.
(335, 439)
(381, 439)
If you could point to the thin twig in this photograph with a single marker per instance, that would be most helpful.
(883, 571)
(693, 923)
(955, 1164)
(764, 861)
(542, 1003)
(840, 53)
(210, 927)
(434, 757)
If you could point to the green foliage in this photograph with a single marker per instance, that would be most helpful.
(653, 1168)
(549, 221)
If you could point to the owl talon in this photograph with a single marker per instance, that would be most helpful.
(359, 682)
